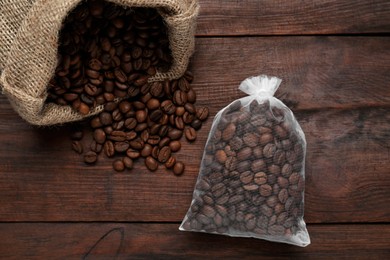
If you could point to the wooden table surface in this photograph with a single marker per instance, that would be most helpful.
(334, 59)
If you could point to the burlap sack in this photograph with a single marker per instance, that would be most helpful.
(29, 31)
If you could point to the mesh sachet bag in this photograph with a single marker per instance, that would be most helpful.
(251, 180)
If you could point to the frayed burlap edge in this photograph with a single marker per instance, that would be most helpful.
(29, 56)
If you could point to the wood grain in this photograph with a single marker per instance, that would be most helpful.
(270, 17)
(165, 241)
(317, 72)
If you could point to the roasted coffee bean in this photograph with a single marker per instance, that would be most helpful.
(121, 147)
(118, 165)
(174, 145)
(133, 154)
(77, 147)
(179, 97)
(178, 168)
(168, 107)
(151, 163)
(90, 157)
(202, 113)
(109, 149)
(128, 163)
(175, 134)
(190, 134)
(196, 124)
(164, 154)
(170, 162)
(99, 135)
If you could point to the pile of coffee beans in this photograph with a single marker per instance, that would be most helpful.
(252, 178)
(149, 126)
(106, 56)
(106, 51)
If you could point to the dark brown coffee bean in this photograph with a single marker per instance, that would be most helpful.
(99, 135)
(147, 150)
(130, 123)
(133, 154)
(229, 132)
(294, 178)
(164, 142)
(202, 113)
(136, 144)
(118, 136)
(218, 190)
(266, 138)
(154, 140)
(155, 152)
(170, 162)
(90, 157)
(196, 124)
(274, 169)
(250, 139)
(109, 149)
(130, 135)
(156, 89)
(118, 165)
(244, 154)
(140, 127)
(269, 150)
(168, 107)
(95, 122)
(180, 111)
(141, 116)
(121, 147)
(77, 147)
(83, 109)
(178, 168)
(105, 118)
(283, 196)
(260, 178)
(265, 190)
(175, 134)
(221, 156)
(179, 97)
(280, 132)
(283, 182)
(174, 145)
(109, 107)
(151, 163)
(163, 131)
(164, 154)
(153, 104)
(246, 177)
(286, 170)
(191, 96)
(190, 134)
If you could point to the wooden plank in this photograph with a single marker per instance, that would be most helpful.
(317, 72)
(42, 179)
(295, 17)
(165, 241)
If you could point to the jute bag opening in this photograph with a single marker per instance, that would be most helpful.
(29, 43)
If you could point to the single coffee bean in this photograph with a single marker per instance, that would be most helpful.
(246, 177)
(221, 156)
(170, 162)
(174, 145)
(179, 97)
(168, 107)
(202, 113)
(229, 132)
(118, 165)
(178, 168)
(121, 147)
(175, 134)
(269, 150)
(99, 135)
(190, 134)
(105, 118)
(151, 163)
(132, 154)
(90, 157)
(265, 190)
(77, 147)
(260, 178)
(196, 124)
(109, 149)
(164, 154)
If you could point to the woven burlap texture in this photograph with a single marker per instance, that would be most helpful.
(29, 32)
